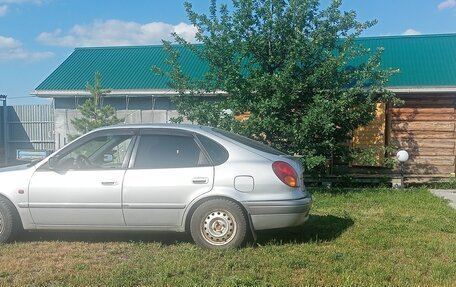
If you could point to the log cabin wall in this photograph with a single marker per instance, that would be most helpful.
(425, 127)
(372, 136)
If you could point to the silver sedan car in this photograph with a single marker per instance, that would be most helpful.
(216, 185)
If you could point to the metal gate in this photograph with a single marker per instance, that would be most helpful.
(29, 129)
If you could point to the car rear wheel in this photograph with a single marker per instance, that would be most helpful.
(218, 224)
(8, 222)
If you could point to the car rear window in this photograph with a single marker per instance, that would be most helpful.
(249, 142)
(217, 152)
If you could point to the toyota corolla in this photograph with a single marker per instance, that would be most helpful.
(214, 184)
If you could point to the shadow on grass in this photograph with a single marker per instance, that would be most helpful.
(319, 228)
(165, 238)
(348, 190)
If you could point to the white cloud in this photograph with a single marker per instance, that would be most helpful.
(3, 10)
(12, 49)
(186, 31)
(117, 33)
(411, 32)
(4, 4)
(447, 4)
(9, 43)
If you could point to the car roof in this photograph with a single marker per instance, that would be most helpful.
(159, 126)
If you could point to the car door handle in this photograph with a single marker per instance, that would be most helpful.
(109, 182)
(200, 180)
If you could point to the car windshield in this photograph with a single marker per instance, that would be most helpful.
(249, 142)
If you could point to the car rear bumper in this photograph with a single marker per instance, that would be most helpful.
(278, 213)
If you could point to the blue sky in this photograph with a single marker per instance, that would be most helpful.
(37, 35)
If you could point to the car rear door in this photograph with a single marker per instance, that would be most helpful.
(168, 170)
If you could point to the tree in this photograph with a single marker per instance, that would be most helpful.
(295, 67)
(94, 113)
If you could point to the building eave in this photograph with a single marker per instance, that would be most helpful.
(167, 92)
(139, 92)
(423, 90)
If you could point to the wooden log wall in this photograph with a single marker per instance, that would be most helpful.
(372, 136)
(425, 127)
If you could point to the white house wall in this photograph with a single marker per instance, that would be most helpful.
(64, 128)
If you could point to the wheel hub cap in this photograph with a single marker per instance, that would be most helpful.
(218, 227)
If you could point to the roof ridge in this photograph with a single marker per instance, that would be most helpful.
(157, 46)
(437, 35)
(130, 47)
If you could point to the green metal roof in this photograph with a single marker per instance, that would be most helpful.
(123, 68)
(423, 61)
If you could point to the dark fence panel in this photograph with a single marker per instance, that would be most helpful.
(29, 127)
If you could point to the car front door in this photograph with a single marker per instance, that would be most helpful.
(82, 184)
(168, 171)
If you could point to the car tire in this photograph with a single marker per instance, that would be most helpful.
(9, 222)
(218, 224)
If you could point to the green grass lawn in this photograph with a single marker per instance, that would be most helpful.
(359, 237)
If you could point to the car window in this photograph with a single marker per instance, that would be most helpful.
(104, 152)
(169, 151)
(217, 152)
(249, 142)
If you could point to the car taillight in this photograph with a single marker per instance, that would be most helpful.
(286, 173)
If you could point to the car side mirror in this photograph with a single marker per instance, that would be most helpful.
(107, 158)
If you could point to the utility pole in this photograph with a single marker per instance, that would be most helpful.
(5, 128)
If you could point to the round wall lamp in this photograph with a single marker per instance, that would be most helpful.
(402, 156)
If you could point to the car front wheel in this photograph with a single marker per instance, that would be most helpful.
(218, 224)
(8, 221)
